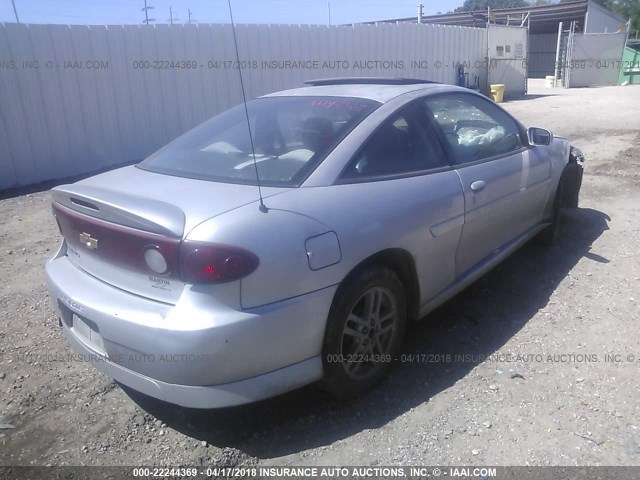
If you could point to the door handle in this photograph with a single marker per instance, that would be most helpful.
(478, 186)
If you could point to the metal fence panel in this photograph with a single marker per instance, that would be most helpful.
(595, 59)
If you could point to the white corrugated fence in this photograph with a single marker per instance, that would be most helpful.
(77, 99)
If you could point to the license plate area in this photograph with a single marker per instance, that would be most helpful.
(84, 329)
(88, 333)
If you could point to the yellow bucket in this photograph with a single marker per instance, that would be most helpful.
(497, 92)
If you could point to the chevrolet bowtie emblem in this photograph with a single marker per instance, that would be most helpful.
(88, 242)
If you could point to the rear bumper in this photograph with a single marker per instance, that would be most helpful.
(196, 353)
(215, 396)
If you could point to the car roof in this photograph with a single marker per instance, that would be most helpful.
(379, 93)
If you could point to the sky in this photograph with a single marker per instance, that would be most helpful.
(116, 12)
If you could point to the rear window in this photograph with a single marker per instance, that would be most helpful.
(291, 136)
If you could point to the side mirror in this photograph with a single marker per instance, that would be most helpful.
(539, 136)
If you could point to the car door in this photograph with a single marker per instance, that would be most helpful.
(414, 197)
(505, 185)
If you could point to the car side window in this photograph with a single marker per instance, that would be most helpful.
(406, 143)
(474, 128)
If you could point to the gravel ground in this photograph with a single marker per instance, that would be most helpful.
(511, 372)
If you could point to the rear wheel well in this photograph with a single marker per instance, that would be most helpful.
(402, 263)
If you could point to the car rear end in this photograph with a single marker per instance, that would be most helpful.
(159, 312)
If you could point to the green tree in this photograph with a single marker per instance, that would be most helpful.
(474, 5)
(629, 9)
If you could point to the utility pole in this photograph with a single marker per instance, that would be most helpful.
(171, 17)
(329, 5)
(146, 9)
(189, 10)
(15, 10)
(420, 11)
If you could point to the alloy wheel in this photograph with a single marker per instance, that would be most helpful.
(369, 332)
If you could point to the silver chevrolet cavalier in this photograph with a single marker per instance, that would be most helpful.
(292, 240)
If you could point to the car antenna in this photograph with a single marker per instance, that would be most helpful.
(263, 208)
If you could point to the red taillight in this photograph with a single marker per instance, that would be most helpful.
(150, 253)
(202, 262)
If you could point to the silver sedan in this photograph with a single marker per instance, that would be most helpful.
(292, 240)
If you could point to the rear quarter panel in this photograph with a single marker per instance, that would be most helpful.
(366, 217)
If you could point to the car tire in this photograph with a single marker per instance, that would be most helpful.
(364, 333)
(550, 234)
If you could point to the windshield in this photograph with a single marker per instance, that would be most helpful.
(291, 136)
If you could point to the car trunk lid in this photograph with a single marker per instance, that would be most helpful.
(111, 221)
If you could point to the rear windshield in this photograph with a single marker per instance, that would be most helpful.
(291, 136)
